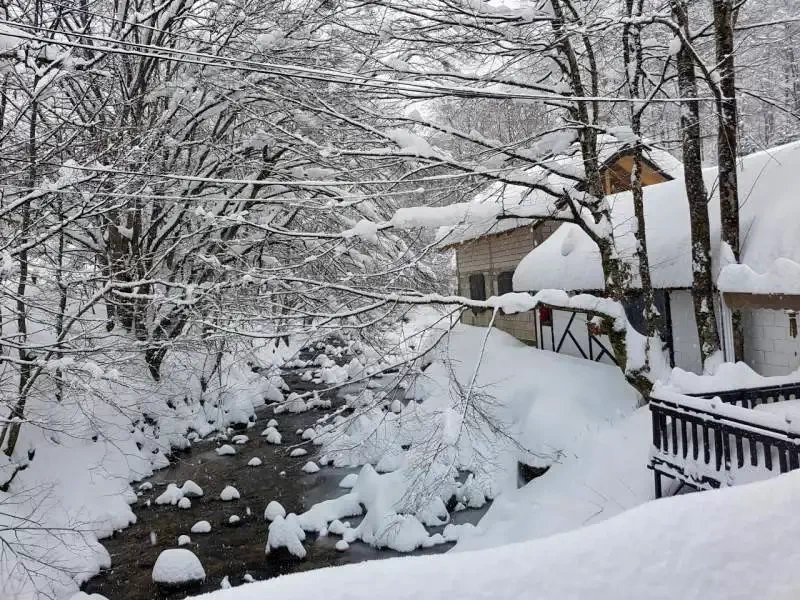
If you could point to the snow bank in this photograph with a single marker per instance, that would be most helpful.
(114, 426)
(525, 405)
(711, 545)
(606, 475)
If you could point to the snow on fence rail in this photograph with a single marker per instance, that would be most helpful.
(709, 442)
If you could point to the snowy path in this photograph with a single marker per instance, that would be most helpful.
(233, 550)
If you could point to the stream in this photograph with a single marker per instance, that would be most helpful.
(236, 550)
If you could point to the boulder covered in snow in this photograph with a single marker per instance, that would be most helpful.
(178, 567)
(229, 493)
(310, 467)
(298, 452)
(201, 527)
(274, 509)
(170, 496)
(225, 450)
(286, 533)
(254, 462)
(273, 435)
(191, 490)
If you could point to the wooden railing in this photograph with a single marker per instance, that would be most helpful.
(752, 397)
(704, 442)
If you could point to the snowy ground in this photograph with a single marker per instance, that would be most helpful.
(113, 428)
(736, 543)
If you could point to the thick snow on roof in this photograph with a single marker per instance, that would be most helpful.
(769, 222)
(509, 197)
(718, 545)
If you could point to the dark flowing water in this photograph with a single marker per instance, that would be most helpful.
(233, 550)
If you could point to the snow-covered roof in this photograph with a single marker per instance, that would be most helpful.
(513, 196)
(769, 199)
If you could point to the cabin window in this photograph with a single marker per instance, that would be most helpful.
(477, 286)
(504, 282)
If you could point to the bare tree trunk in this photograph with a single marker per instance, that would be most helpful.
(727, 145)
(632, 55)
(702, 284)
(25, 356)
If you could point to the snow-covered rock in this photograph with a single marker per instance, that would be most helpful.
(272, 435)
(225, 450)
(240, 439)
(184, 503)
(183, 540)
(254, 462)
(145, 487)
(234, 519)
(171, 495)
(310, 467)
(225, 584)
(191, 490)
(272, 423)
(286, 533)
(341, 545)
(298, 452)
(309, 434)
(201, 527)
(274, 509)
(229, 493)
(178, 566)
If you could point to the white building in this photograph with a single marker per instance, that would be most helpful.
(765, 286)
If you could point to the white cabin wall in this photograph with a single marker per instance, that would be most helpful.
(579, 331)
(684, 332)
(768, 347)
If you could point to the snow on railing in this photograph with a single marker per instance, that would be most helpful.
(712, 442)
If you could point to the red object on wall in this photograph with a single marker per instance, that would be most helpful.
(546, 316)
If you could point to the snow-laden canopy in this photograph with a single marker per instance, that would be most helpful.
(557, 173)
(770, 229)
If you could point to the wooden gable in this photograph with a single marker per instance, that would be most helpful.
(616, 173)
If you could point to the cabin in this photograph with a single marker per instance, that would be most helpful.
(764, 286)
(488, 252)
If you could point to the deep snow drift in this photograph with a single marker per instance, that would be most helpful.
(736, 543)
(522, 404)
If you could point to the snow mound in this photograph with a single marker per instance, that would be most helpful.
(272, 435)
(171, 495)
(274, 509)
(272, 423)
(191, 490)
(184, 503)
(240, 439)
(286, 533)
(229, 493)
(298, 452)
(234, 519)
(225, 450)
(183, 540)
(201, 527)
(341, 545)
(178, 566)
(310, 467)
(254, 462)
